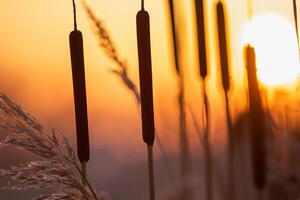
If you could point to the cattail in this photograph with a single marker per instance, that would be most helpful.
(223, 46)
(226, 86)
(186, 190)
(257, 128)
(174, 36)
(79, 88)
(201, 37)
(202, 57)
(145, 72)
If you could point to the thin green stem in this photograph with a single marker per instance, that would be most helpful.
(86, 180)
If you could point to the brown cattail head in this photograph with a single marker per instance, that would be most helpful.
(174, 35)
(223, 46)
(77, 59)
(257, 123)
(201, 37)
(145, 72)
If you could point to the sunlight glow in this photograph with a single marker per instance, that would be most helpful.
(275, 43)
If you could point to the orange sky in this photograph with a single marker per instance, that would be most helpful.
(36, 71)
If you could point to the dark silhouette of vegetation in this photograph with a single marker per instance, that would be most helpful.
(145, 73)
(77, 58)
(224, 63)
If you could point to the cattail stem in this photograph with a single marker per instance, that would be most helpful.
(207, 146)
(142, 4)
(83, 169)
(231, 174)
(74, 14)
(296, 23)
(151, 172)
(79, 170)
(184, 145)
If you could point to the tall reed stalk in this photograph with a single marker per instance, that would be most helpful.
(257, 122)
(186, 190)
(145, 74)
(202, 57)
(226, 86)
(79, 88)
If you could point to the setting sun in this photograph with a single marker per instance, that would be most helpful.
(276, 48)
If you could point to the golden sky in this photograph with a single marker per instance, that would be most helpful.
(36, 72)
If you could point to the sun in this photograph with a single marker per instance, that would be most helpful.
(275, 42)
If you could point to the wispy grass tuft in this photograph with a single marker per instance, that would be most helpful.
(110, 50)
(58, 169)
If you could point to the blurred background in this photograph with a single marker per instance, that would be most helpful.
(36, 73)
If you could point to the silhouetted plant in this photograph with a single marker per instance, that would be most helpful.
(58, 168)
(224, 63)
(107, 44)
(146, 88)
(186, 190)
(257, 121)
(79, 89)
(202, 59)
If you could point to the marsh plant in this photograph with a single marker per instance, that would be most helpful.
(58, 168)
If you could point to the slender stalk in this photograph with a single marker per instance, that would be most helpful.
(86, 180)
(151, 172)
(207, 147)
(83, 169)
(142, 5)
(296, 23)
(185, 165)
(74, 14)
(231, 175)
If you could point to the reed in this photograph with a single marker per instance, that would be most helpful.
(185, 162)
(224, 63)
(56, 158)
(257, 121)
(145, 74)
(79, 89)
(202, 58)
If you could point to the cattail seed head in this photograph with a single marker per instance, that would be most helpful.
(79, 88)
(201, 37)
(174, 35)
(223, 46)
(145, 74)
